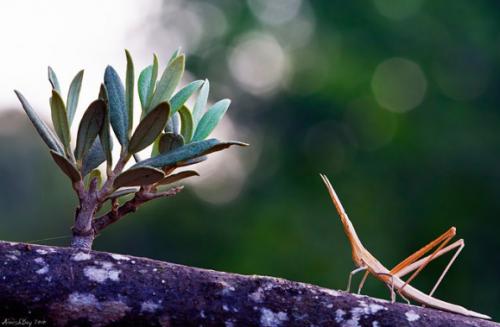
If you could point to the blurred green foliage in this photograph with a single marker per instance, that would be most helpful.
(411, 151)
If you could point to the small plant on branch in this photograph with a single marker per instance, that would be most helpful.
(177, 133)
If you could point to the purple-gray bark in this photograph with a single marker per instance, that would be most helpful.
(48, 286)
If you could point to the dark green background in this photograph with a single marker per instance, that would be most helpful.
(404, 178)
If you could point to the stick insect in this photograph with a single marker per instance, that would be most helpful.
(365, 261)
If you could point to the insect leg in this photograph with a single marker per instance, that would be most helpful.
(363, 280)
(352, 273)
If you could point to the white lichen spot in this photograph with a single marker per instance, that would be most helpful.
(270, 319)
(43, 270)
(330, 292)
(149, 306)
(374, 308)
(257, 296)
(226, 288)
(82, 299)
(202, 314)
(363, 310)
(42, 251)
(225, 307)
(133, 262)
(375, 324)
(412, 316)
(163, 281)
(119, 257)
(155, 269)
(40, 261)
(48, 278)
(339, 316)
(329, 306)
(81, 256)
(11, 257)
(229, 323)
(102, 274)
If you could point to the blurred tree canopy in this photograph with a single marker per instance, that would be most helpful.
(396, 102)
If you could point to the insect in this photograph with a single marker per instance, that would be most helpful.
(365, 261)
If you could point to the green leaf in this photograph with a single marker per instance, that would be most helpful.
(138, 176)
(201, 102)
(186, 123)
(168, 82)
(53, 80)
(122, 192)
(94, 157)
(60, 119)
(74, 95)
(210, 119)
(104, 135)
(190, 151)
(152, 83)
(190, 162)
(116, 101)
(143, 85)
(149, 128)
(169, 142)
(183, 95)
(173, 124)
(177, 177)
(89, 128)
(66, 166)
(43, 130)
(129, 91)
(174, 55)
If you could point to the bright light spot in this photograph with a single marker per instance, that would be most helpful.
(298, 31)
(398, 10)
(258, 63)
(275, 12)
(69, 36)
(399, 84)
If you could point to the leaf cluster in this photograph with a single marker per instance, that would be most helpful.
(178, 134)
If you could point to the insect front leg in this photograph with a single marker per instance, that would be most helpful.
(352, 273)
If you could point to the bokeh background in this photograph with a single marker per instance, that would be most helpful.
(396, 101)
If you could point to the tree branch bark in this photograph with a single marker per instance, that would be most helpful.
(48, 286)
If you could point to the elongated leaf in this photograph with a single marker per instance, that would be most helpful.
(149, 128)
(190, 162)
(152, 83)
(175, 54)
(169, 142)
(104, 135)
(89, 128)
(122, 192)
(190, 151)
(138, 176)
(186, 123)
(168, 82)
(143, 85)
(129, 91)
(53, 80)
(94, 157)
(173, 124)
(201, 102)
(43, 130)
(177, 177)
(116, 101)
(210, 119)
(66, 166)
(74, 95)
(60, 119)
(183, 95)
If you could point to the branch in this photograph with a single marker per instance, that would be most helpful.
(141, 197)
(64, 286)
